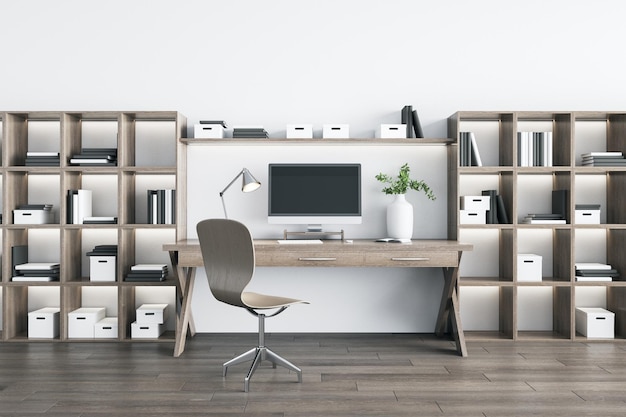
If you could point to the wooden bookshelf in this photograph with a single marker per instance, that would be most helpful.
(140, 137)
(540, 310)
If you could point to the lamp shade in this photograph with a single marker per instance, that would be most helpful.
(249, 183)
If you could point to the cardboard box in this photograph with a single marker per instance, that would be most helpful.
(106, 328)
(390, 131)
(473, 217)
(208, 131)
(336, 131)
(44, 323)
(528, 267)
(300, 131)
(22, 216)
(475, 202)
(146, 330)
(102, 268)
(152, 313)
(81, 322)
(587, 216)
(595, 322)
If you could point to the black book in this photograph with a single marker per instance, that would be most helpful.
(597, 273)
(463, 149)
(19, 256)
(144, 279)
(417, 126)
(545, 216)
(503, 217)
(100, 151)
(406, 118)
(35, 207)
(492, 214)
(95, 156)
(69, 206)
(560, 204)
(587, 206)
(214, 122)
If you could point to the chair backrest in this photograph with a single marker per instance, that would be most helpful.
(228, 255)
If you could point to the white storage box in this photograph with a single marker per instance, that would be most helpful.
(473, 217)
(595, 322)
(44, 323)
(102, 268)
(152, 313)
(336, 131)
(208, 131)
(299, 131)
(146, 330)
(475, 202)
(81, 322)
(386, 131)
(21, 216)
(528, 267)
(587, 216)
(106, 328)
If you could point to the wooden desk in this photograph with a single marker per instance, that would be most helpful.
(186, 257)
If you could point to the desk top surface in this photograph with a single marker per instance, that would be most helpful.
(360, 245)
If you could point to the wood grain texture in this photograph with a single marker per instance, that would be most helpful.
(343, 376)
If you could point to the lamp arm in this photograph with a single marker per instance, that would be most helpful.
(226, 188)
(231, 183)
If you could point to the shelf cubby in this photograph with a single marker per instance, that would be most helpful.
(491, 310)
(19, 299)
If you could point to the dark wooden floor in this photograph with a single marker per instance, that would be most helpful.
(343, 375)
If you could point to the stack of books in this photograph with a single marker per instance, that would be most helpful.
(599, 159)
(534, 149)
(50, 159)
(103, 250)
(79, 206)
(468, 150)
(100, 220)
(497, 213)
(249, 132)
(36, 271)
(544, 218)
(595, 272)
(410, 118)
(95, 157)
(147, 273)
(162, 206)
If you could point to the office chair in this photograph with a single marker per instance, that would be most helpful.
(228, 255)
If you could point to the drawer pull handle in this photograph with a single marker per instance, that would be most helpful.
(410, 259)
(317, 259)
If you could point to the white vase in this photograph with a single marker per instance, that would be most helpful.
(400, 218)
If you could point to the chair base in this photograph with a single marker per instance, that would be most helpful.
(257, 355)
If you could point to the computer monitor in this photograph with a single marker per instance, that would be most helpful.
(314, 194)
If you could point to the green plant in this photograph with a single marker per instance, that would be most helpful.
(403, 183)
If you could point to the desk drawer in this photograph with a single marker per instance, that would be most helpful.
(412, 259)
(309, 259)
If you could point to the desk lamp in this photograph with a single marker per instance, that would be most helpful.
(248, 184)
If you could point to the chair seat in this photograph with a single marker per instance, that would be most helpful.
(256, 300)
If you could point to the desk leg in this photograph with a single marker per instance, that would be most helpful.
(184, 322)
(184, 282)
(449, 309)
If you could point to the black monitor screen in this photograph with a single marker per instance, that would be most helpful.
(314, 189)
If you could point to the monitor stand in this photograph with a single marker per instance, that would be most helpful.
(312, 234)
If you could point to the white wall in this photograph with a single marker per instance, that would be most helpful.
(275, 62)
